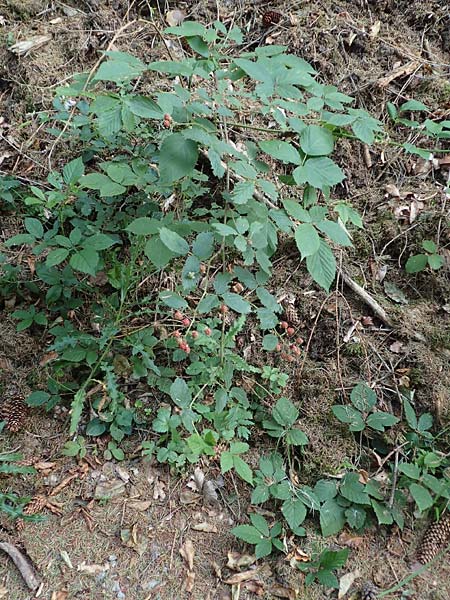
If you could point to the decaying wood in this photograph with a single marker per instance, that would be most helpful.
(402, 71)
(23, 564)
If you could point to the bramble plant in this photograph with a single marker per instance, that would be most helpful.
(154, 251)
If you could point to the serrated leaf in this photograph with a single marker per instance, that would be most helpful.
(270, 342)
(294, 511)
(73, 170)
(281, 151)
(335, 232)
(85, 261)
(332, 518)
(56, 257)
(307, 239)
(180, 393)
(242, 469)
(76, 409)
(260, 494)
(380, 420)
(144, 226)
(318, 172)
(322, 266)
(174, 242)
(410, 470)
(416, 263)
(382, 512)
(285, 413)
(348, 414)
(177, 158)
(316, 141)
(363, 397)
(422, 496)
(158, 252)
(236, 303)
(353, 490)
(34, 227)
(296, 211)
(247, 533)
(264, 548)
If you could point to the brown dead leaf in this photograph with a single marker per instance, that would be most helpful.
(296, 556)
(375, 29)
(397, 347)
(189, 581)
(60, 595)
(48, 358)
(363, 476)
(187, 552)
(279, 591)
(140, 505)
(3, 592)
(92, 569)
(159, 490)
(401, 71)
(236, 561)
(188, 497)
(256, 587)
(241, 577)
(392, 190)
(44, 466)
(205, 527)
(351, 541)
(25, 46)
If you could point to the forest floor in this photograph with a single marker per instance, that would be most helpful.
(128, 546)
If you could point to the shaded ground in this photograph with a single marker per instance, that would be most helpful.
(135, 545)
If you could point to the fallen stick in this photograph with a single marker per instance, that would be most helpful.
(375, 306)
(23, 564)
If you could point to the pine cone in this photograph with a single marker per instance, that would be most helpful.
(369, 591)
(435, 539)
(14, 412)
(271, 17)
(35, 506)
(291, 314)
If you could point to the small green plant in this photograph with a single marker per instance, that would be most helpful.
(75, 448)
(361, 414)
(281, 425)
(231, 459)
(431, 258)
(321, 568)
(29, 317)
(11, 504)
(259, 534)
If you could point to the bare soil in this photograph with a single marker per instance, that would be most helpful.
(129, 546)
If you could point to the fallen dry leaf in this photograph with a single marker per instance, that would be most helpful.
(241, 577)
(60, 595)
(279, 591)
(236, 561)
(21, 48)
(189, 581)
(351, 541)
(346, 582)
(48, 358)
(397, 347)
(3, 592)
(158, 490)
(375, 29)
(92, 569)
(188, 497)
(205, 527)
(187, 552)
(401, 71)
(109, 489)
(140, 505)
(296, 556)
(256, 587)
